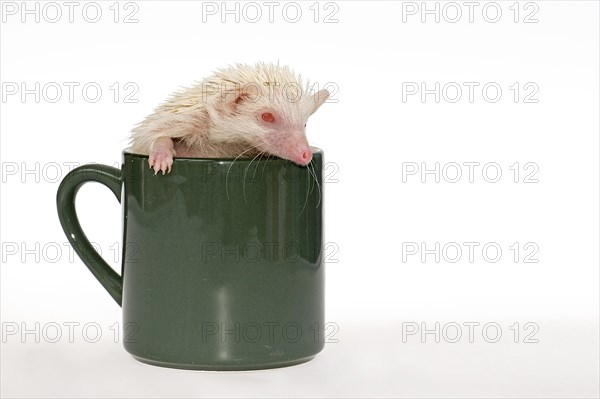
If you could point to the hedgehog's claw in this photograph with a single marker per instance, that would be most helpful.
(161, 160)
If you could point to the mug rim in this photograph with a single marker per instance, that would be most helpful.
(127, 152)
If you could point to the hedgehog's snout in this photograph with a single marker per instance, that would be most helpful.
(306, 156)
(291, 145)
(300, 153)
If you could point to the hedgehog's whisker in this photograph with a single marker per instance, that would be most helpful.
(258, 164)
(269, 156)
(246, 172)
(307, 192)
(314, 174)
(310, 178)
(263, 169)
(230, 165)
(309, 182)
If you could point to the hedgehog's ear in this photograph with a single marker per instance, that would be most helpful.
(317, 100)
(232, 100)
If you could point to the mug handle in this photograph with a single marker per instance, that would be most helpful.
(65, 203)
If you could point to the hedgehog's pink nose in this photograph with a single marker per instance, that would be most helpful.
(306, 157)
(302, 156)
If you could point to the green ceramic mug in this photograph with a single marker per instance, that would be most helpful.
(222, 260)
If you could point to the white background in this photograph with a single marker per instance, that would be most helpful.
(374, 53)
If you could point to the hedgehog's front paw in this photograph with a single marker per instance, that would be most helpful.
(161, 159)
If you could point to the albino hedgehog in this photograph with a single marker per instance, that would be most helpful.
(239, 110)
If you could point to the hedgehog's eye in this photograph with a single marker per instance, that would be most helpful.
(305, 125)
(268, 117)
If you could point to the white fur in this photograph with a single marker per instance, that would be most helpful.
(217, 117)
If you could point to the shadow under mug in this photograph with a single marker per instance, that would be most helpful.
(222, 260)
